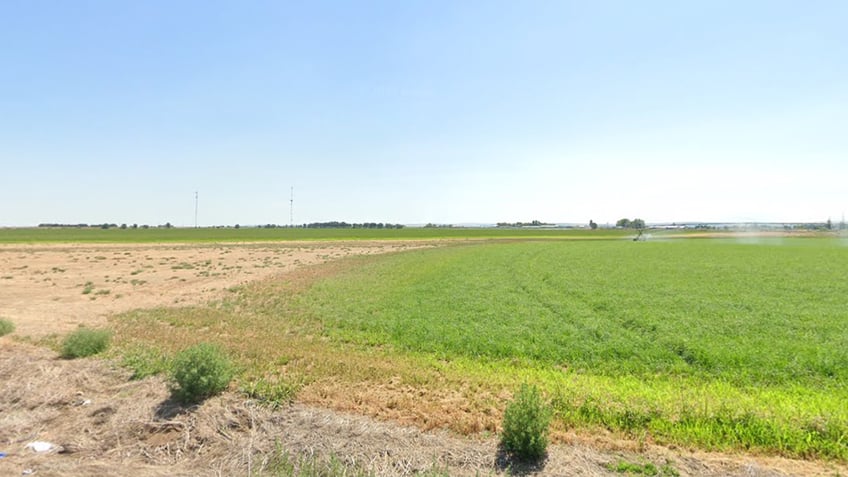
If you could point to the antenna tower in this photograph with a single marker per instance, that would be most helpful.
(291, 208)
(195, 209)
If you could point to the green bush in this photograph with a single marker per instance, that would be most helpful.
(85, 342)
(200, 372)
(525, 425)
(6, 327)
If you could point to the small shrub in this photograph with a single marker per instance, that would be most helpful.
(6, 327)
(525, 425)
(85, 342)
(200, 372)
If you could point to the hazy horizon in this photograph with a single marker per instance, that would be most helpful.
(836, 224)
(423, 112)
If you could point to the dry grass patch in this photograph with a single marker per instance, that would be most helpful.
(132, 428)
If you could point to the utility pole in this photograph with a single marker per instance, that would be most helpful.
(291, 208)
(195, 208)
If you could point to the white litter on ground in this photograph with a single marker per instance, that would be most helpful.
(41, 446)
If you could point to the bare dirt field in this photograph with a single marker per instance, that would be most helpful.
(102, 423)
(53, 289)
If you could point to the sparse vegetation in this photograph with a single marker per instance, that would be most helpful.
(648, 469)
(87, 288)
(282, 463)
(200, 372)
(272, 393)
(85, 342)
(145, 361)
(6, 327)
(525, 425)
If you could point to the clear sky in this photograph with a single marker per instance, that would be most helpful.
(422, 111)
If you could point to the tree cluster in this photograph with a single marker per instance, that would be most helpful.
(345, 225)
(75, 226)
(630, 224)
(535, 223)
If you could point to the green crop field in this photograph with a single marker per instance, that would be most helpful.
(709, 343)
(256, 234)
(746, 314)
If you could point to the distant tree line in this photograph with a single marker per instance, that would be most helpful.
(78, 226)
(104, 226)
(345, 225)
(167, 225)
(332, 225)
(534, 223)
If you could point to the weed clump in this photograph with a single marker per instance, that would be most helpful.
(200, 372)
(629, 468)
(525, 425)
(6, 327)
(145, 361)
(272, 393)
(282, 463)
(85, 342)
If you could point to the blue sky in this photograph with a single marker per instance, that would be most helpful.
(422, 111)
